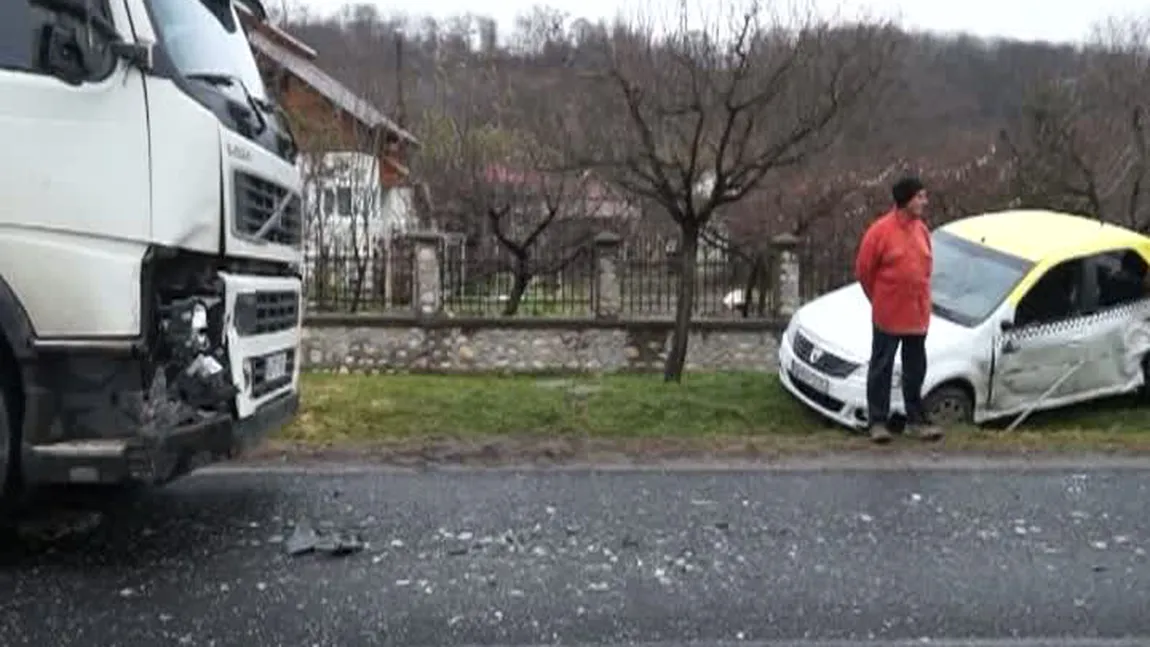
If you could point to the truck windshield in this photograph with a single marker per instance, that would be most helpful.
(204, 37)
(970, 280)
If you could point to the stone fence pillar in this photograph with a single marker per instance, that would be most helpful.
(787, 298)
(427, 291)
(607, 301)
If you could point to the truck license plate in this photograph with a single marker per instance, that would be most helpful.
(275, 367)
(809, 377)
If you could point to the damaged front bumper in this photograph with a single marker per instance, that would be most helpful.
(840, 400)
(157, 458)
(225, 369)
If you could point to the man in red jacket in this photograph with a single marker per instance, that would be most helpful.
(893, 266)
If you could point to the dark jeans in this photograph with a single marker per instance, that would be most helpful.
(880, 374)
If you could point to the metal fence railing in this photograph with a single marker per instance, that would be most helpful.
(486, 281)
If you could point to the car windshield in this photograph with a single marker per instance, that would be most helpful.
(204, 37)
(970, 280)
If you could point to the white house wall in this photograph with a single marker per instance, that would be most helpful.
(388, 211)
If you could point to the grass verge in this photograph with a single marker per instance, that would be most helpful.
(493, 418)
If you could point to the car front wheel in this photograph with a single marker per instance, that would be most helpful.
(949, 404)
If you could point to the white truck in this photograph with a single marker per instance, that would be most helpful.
(150, 242)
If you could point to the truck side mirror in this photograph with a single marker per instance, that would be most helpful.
(139, 55)
(63, 53)
(73, 54)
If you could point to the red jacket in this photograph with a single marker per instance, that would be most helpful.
(893, 265)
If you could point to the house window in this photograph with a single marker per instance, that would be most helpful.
(328, 202)
(343, 196)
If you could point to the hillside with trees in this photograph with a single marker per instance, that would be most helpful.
(749, 126)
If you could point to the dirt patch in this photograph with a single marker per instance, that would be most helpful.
(504, 450)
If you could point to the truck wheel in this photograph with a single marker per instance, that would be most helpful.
(949, 404)
(9, 475)
(1144, 390)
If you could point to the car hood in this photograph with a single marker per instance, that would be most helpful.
(841, 321)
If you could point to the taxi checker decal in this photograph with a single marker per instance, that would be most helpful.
(1137, 309)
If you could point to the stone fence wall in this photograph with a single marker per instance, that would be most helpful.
(428, 340)
(374, 344)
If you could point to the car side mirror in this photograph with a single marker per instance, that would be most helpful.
(1006, 325)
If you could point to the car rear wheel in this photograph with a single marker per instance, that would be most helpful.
(949, 404)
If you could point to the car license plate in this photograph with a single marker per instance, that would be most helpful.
(275, 367)
(809, 377)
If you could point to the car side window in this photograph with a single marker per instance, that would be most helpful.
(1118, 277)
(1057, 296)
(55, 39)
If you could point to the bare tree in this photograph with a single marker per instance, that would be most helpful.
(701, 118)
(508, 166)
(316, 229)
(1083, 143)
(343, 158)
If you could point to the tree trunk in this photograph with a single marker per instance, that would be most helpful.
(358, 283)
(389, 274)
(519, 286)
(751, 284)
(685, 300)
(764, 286)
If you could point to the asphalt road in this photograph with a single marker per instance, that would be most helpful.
(608, 558)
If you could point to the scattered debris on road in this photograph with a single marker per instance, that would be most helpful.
(305, 539)
(55, 525)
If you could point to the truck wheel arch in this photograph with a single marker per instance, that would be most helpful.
(16, 337)
(16, 328)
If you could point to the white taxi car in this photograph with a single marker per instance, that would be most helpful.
(1032, 310)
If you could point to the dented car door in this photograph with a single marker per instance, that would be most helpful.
(1083, 334)
(1030, 360)
(1044, 344)
(1116, 326)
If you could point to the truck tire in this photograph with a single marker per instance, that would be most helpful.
(9, 456)
(1144, 390)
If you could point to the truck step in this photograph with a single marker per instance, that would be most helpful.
(82, 461)
(81, 449)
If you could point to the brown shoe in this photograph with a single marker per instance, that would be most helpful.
(924, 432)
(879, 434)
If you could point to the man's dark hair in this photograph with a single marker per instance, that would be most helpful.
(905, 189)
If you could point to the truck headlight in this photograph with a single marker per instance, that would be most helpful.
(245, 315)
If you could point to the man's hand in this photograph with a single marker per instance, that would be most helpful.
(867, 260)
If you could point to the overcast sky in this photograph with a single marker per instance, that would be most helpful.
(1053, 20)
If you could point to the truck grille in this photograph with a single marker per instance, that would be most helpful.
(256, 200)
(261, 384)
(266, 311)
(825, 362)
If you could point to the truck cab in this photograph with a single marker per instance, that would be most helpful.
(150, 242)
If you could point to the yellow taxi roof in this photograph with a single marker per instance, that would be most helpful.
(1036, 235)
